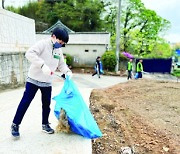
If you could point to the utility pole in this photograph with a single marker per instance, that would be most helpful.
(118, 35)
(3, 4)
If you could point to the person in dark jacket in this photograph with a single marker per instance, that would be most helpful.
(98, 67)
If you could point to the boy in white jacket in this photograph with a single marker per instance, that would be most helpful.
(45, 57)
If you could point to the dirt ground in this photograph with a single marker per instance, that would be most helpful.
(141, 114)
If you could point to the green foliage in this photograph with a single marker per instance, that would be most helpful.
(78, 15)
(141, 28)
(161, 49)
(109, 60)
(122, 58)
(29, 10)
(69, 60)
(12, 9)
(44, 12)
(37, 11)
(113, 42)
(176, 73)
(110, 20)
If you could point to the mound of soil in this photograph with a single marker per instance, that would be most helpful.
(141, 114)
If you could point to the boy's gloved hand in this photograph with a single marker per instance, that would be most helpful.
(69, 74)
(46, 70)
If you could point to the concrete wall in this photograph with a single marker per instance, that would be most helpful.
(13, 69)
(84, 54)
(17, 33)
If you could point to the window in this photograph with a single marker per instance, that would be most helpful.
(95, 50)
(86, 50)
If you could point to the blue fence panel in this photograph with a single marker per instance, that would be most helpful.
(157, 65)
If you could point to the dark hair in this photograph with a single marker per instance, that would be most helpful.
(61, 34)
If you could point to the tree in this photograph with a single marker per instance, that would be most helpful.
(35, 10)
(110, 20)
(78, 15)
(145, 25)
(81, 15)
(140, 28)
(160, 49)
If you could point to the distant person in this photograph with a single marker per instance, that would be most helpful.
(45, 57)
(139, 69)
(129, 69)
(98, 67)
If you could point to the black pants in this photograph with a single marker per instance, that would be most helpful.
(28, 96)
(139, 74)
(129, 75)
(97, 72)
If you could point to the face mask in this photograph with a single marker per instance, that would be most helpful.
(57, 45)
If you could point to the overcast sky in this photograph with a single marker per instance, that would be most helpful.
(170, 10)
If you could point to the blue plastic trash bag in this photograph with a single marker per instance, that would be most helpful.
(101, 68)
(79, 116)
(136, 76)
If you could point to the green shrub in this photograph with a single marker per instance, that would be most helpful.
(109, 60)
(176, 73)
(69, 60)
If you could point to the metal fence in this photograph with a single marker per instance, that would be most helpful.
(13, 69)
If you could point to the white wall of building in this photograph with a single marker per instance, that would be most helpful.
(82, 38)
(84, 53)
(17, 33)
(89, 38)
(0, 4)
(83, 46)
